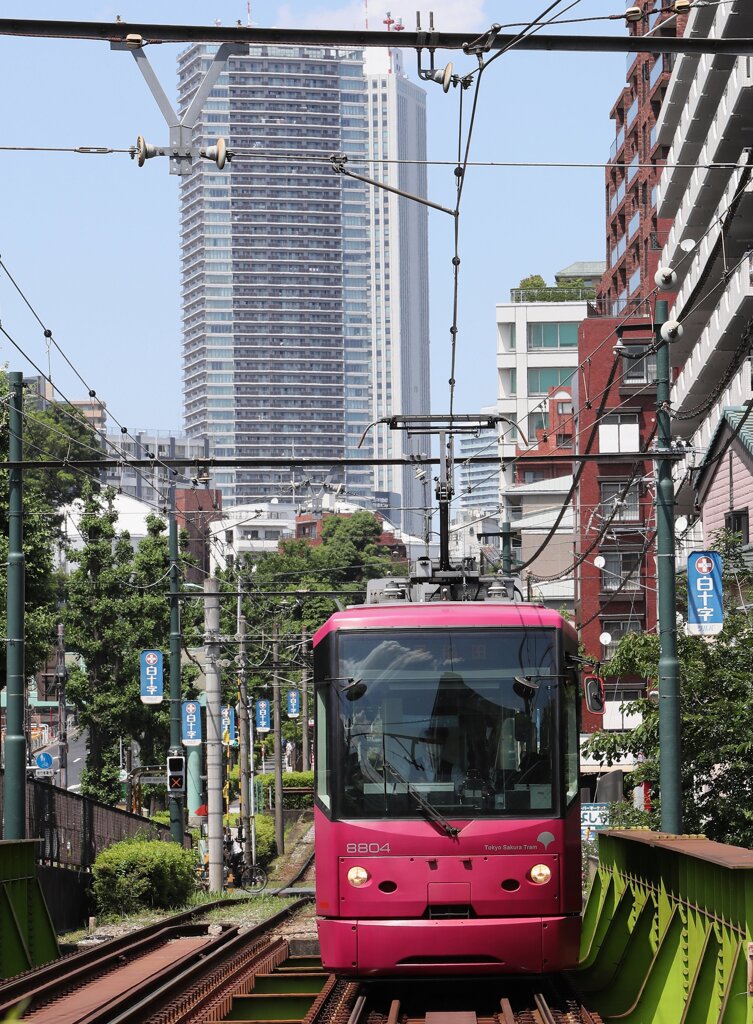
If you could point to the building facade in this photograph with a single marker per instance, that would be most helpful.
(295, 333)
(616, 385)
(707, 121)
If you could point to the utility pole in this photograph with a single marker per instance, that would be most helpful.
(214, 736)
(305, 756)
(14, 785)
(244, 739)
(444, 495)
(176, 750)
(60, 677)
(669, 669)
(277, 725)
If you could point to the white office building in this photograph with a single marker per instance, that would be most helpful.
(706, 125)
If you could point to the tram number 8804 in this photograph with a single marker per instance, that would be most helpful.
(367, 848)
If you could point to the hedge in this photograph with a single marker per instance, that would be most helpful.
(138, 873)
(290, 780)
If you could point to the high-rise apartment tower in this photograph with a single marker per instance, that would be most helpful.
(298, 329)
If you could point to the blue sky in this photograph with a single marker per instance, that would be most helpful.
(93, 240)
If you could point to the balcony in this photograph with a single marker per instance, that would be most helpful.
(711, 95)
(617, 197)
(657, 71)
(709, 260)
(617, 251)
(635, 281)
(632, 113)
(634, 224)
(717, 350)
(632, 168)
(618, 143)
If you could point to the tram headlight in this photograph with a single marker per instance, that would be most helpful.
(540, 874)
(358, 876)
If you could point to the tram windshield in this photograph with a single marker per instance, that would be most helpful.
(463, 721)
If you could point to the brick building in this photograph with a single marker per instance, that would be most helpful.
(615, 584)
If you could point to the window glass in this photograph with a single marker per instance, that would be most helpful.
(570, 737)
(463, 722)
(618, 432)
(322, 768)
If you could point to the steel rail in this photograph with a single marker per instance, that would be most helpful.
(148, 999)
(48, 977)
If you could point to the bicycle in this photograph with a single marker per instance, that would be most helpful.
(253, 878)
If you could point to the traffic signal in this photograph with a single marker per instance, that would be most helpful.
(176, 774)
(593, 688)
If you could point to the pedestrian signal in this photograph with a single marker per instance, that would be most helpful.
(593, 688)
(176, 774)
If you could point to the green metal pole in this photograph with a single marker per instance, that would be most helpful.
(176, 750)
(14, 786)
(669, 669)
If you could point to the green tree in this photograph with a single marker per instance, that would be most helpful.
(716, 707)
(117, 606)
(39, 532)
(59, 432)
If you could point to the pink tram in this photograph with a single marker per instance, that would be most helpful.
(447, 802)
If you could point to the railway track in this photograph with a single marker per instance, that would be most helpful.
(177, 962)
(498, 1001)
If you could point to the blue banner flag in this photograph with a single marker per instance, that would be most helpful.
(151, 677)
(705, 607)
(294, 703)
(190, 722)
(263, 711)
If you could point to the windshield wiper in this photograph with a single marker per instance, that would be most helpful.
(431, 812)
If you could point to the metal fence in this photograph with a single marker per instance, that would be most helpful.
(72, 830)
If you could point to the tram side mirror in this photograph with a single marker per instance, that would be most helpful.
(355, 689)
(522, 727)
(593, 689)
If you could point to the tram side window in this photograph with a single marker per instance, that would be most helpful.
(570, 738)
(322, 764)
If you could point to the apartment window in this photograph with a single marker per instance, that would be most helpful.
(737, 522)
(616, 629)
(541, 378)
(621, 571)
(536, 421)
(618, 432)
(552, 336)
(627, 507)
(641, 370)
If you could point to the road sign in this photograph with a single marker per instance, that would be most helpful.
(44, 760)
(152, 780)
(705, 607)
(44, 773)
(593, 818)
(294, 703)
(151, 677)
(191, 723)
(263, 715)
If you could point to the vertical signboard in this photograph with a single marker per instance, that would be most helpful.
(151, 677)
(705, 607)
(263, 712)
(294, 703)
(190, 721)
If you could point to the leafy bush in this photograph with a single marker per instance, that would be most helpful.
(266, 847)
(138, 873)
(290, 780)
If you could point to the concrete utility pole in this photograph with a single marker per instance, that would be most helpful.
(244, 751)
(214, 735)
(305, 756)
(176, 750)
(277, 725)
(14, 787)
(669, 669)
(60, 678)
